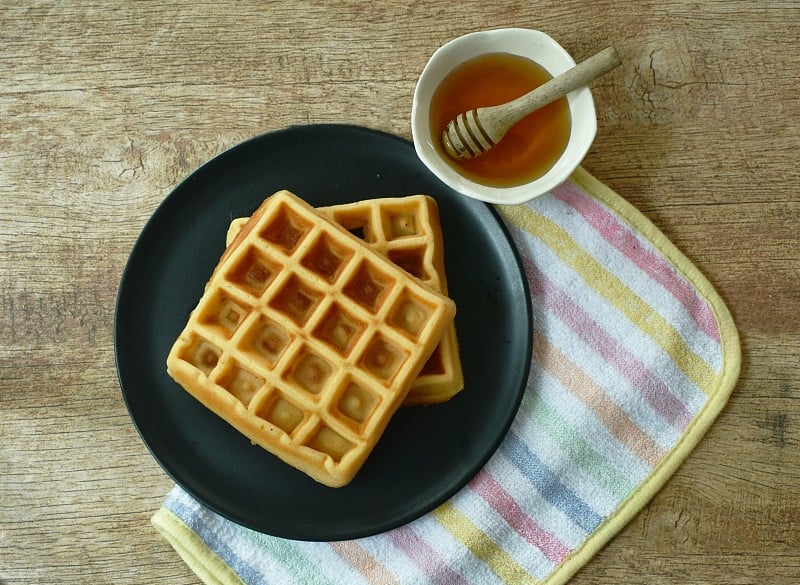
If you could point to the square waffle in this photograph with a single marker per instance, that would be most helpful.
(306, 340)
(407, 231)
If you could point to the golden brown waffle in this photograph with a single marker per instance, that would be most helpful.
(407, 231)
(306, 340)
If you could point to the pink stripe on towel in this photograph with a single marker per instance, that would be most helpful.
(656, 267)
(505, 505)
(428, 560)
(627, 364)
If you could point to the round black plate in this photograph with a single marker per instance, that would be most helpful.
(427, 453)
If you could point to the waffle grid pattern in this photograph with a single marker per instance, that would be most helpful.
(406, 231)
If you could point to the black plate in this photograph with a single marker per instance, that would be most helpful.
(427, 453)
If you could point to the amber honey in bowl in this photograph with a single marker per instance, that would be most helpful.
(531, 147)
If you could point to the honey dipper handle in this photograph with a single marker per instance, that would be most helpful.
(497, 120)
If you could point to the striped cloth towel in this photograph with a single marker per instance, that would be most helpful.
(634, 357)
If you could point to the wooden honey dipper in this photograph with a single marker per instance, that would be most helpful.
(473, 133)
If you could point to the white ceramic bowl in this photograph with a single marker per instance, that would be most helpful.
(534, 45)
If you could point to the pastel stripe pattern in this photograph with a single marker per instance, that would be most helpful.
(634, 356)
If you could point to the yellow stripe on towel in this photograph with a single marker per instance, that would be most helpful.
(483, 547)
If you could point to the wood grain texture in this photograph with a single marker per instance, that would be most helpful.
(105, 107)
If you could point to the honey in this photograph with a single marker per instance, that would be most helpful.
(531, 147)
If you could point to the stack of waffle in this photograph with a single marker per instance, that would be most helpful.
(318, 324)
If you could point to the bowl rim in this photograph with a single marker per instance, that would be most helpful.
(516, 41)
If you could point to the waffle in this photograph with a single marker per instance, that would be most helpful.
(306, 340)
(407, 231)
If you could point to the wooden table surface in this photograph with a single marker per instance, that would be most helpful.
(105, 107)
